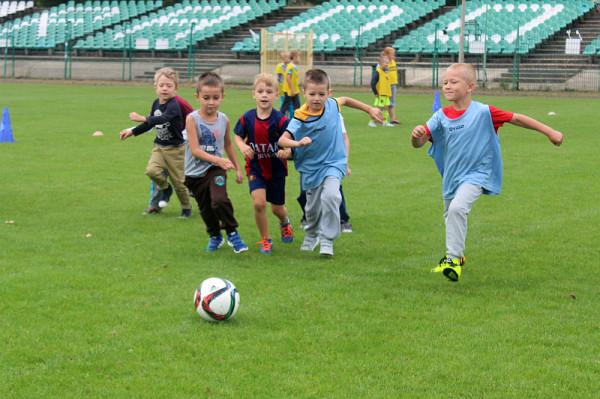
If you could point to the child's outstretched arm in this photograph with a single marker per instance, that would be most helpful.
(286, 141)
(373, 112)
(525, 121)
(419, 136)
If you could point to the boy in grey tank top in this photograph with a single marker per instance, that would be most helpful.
(205, 165)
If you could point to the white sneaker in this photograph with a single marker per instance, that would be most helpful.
(387, 124)
(326, 248)
(310, 243)
(372, 124)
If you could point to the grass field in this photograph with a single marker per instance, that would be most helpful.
(111, 315)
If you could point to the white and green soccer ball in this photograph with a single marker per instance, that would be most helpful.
(216, 299)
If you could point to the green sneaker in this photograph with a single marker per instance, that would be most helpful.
(444, 261)
(452, 270)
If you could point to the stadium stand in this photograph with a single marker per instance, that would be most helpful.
(593, 48)
(52, 27)
(8, 8)
(532, 22)
(336, 23)
(169, 28)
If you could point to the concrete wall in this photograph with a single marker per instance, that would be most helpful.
(113, 69)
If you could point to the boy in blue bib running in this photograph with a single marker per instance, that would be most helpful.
(466, 151)
(315, 134)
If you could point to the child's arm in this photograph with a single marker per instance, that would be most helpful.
(198, 152)
(245, 149)
(284, 153)
(374, 81)
(288, 79)
(525, 121)
(373, 112)
(419, 136)
(229, 150)
(125, 133)
(286, 141)
(347, 143)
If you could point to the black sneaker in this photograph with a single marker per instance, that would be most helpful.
(165, 195)
(185, 213)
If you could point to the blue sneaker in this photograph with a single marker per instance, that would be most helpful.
(235, 241)
(214, 243)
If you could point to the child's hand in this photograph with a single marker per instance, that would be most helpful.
(419, 132)
(125, 133)
(248, 152)
(134, 116)
(284, 153)
(348, 171)
(225, 164)
(376, 114)
(556, 137)
(239, 177)
(304, 141)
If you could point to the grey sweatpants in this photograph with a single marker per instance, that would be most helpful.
(456, 211)
(323, 210)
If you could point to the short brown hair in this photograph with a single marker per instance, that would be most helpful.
(210, 79)
(316, 76)
(168, 73)
(266, 78)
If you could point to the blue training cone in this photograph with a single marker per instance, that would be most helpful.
(6, 132)
(436, 102)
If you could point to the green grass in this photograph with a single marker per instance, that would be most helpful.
(111, 316)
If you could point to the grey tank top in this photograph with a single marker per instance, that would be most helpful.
(211, 136)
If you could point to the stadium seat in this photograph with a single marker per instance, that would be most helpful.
(502, 25)
(70, 20)
(346, 17)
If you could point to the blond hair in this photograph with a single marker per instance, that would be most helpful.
(390, 52)
(168, 73)
(466, 70)
(268, 79)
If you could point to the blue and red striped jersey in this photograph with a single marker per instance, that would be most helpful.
(262, 135)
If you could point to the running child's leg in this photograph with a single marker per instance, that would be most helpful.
(330, 209)
(174, 160)
(456, 211)
(259, 199)
(156, 167)
(219, 200)
(200, 187)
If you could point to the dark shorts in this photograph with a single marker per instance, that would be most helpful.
(275, 188)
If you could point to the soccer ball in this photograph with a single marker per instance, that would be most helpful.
(216, 299)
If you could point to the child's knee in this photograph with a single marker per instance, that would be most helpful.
(332, 197)
(219, 202)
(260, 206)
(457, 209)
(154, 172)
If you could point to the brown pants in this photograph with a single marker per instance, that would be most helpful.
(210, 192)
(170, 159)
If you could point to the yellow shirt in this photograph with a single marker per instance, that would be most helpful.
(303, 113)
(292, 71)
(280, 73)
(393, 72)
(384, 87)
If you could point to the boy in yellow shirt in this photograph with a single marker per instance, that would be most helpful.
(291, 101)
(382, 88)
(393, 72)
(280, 73)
